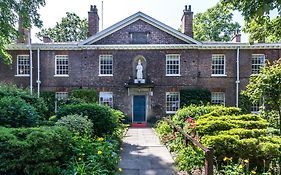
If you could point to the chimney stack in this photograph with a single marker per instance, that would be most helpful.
(237, 36)
(187, 21)
(93, 20)
(47, 39)
(23, 32)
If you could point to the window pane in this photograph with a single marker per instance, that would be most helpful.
(172, 101)
(23, 65)
(62, 65)
(257, 63)
(172, 64)
(106, 98)
(218, 64)
(106, 64)
(218, 98)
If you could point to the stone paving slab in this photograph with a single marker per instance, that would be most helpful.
(143, 154)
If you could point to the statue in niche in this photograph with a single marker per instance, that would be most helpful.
(139, 70)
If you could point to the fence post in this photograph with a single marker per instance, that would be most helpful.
(209, 162)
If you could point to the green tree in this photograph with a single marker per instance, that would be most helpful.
(259, 24)
(216, 24)
(70, 28)
(10, 10)
(267, 85)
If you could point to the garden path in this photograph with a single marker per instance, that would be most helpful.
(143, 154)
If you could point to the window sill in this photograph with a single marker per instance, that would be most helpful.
(218, 75)
(105, 75)
(170, 112)
(61, 75)
(254, 75)
(173, 75)
(18, 75)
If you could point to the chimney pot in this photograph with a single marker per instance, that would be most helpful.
(189, 8)
(185, 9)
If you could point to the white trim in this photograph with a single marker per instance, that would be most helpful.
(179, 59)
(172, 112)
(75, 46)
(105, 75)
(22, 75)
(218, 75)
(263, 55)
(17, 73)
(104, 92)
(224, 66)
(61, 75)
(133, 18)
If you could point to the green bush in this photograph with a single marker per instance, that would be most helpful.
(194, 96)
(38, 103)
(87, 95)
(42, 150)
(76, 124)
(15, 112)
(103, 118)
(50, 98)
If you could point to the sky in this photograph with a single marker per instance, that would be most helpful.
(168, 12)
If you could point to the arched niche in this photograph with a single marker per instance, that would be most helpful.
(135, 63)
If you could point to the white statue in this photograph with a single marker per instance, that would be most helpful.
(139, 71)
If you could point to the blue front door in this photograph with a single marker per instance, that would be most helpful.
(139, 111)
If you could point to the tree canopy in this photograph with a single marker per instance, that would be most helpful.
(259, 23)
(10, 10)
(216, 24)
(70, 28)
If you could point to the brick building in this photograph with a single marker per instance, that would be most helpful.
(170, 60)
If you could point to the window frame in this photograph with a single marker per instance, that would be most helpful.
(105, 75)
(212, 98)
(179, 65)
(178, 102)
(260, 65)
(17, 73)
(60, 93)
(224, 66)
(110, 102)
(56, 68)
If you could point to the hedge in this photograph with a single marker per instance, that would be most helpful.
(42, 150)
(194, 97)
(103, 118)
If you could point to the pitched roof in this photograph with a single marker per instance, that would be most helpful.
(133, 18)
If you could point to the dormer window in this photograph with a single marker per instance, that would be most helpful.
(139, 37)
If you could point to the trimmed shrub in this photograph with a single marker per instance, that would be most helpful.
(50, 98)
(76, 124)
(194, 96)
(104, 121)
(38, 103)
(15, 112)
(87, 95)
(42, 150)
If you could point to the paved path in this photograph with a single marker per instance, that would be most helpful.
(143, 154)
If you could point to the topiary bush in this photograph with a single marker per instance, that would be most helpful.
(76, 124)
(38, 103)
(194, 97)
(87, 95)
(15, 112)
(104, 121)
(42, 150)
(49, 98)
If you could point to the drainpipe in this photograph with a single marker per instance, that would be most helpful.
(30, 57)
(237, 76)
(38, 73)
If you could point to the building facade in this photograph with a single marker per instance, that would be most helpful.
(139, 65)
